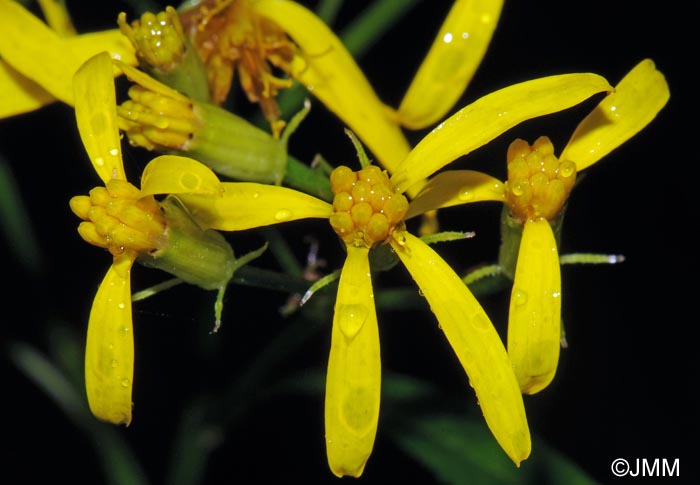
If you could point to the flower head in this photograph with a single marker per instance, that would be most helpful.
(535, 195)
(367, 212)
(130, 224)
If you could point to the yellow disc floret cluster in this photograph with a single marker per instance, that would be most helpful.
(119, 218)
(538, 183)
(367, 209)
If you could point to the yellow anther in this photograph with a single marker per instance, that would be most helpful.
(118, 218)
(367, 210)
(538, 183)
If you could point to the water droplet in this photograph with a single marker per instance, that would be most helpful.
(447, 38)
(481, 321)
(351, 318)
(466, 196)
(125, 329)
(114, 152)
(256, 195)
(121, 306)
(519, 297)
(556, 294)
(99, 161)
(283, 215)
(115, 363)
(125, 382)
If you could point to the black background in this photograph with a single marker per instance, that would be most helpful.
(624, 386)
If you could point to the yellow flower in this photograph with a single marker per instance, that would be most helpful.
(319, 60)
(37, 63)
(129, 223)
(367, 212)
(535, 194)
(353, 379)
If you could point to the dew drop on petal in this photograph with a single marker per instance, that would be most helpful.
(283, 215)
(125, 382)
(351, 318)
(115, 363)
(519, 297)
(466, 196)
(99, 161)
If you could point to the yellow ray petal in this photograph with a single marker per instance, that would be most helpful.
(57, 17)
(331, 74)
(451, 62)
(19, 94)
(354, 370)
(456, 187)
(534, 319)
(491, 116)
(96, 114)
(172, 174)
(36, 51)
(244, 205)
(112, 41)
(476, 343)
(637, 99)
(109, 353)
(143, 79)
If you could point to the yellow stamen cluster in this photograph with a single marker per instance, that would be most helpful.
(538, 183)
(156, 121)
(118, 218)
(230, 37)
(367, 209)
(159, 38)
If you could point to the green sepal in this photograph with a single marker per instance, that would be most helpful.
(189, 77)
(233, 147)
(199, 257)
(512, 232)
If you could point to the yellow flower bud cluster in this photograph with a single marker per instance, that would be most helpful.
(159, 38)
(118, 218)
(538, 183)
(367, 209)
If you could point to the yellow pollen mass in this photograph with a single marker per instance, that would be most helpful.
(538, 183)
(366, 209)
(119, 219)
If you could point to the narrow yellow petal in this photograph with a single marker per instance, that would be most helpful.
(636, 101)
(112, 41)
(19, 94)
(475, 341)
(456, 187)
(96, 114)
(491, 116)
(244, 205)
(173, 174)
(451, 62)
(36, 51)
(534, 319)
(353, 380)
(109, 353)
(331, 74)
(57, 17)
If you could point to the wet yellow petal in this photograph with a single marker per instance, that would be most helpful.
(636, 101)
(244, 205)
(451, 62)
(96, 114)
(353, 380)
(19, 94)
(109, 353)
(491, 116)
(476, 343)
(57, 17)
(456, 187)
(173, 174)
(331, 74)
(112, 41)
(36, 51)
(534, 320)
